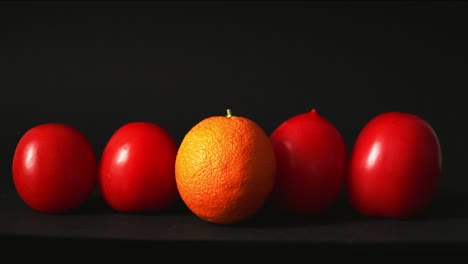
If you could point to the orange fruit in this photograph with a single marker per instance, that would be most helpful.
(225, 169)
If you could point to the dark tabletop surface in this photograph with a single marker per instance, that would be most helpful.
(442, 226)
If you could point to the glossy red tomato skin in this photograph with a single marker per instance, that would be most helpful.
(54, 168)
(311, 164)
(136, 171)
(395, 166)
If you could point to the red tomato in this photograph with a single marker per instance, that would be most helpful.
(311, 164)
(54, 168)
(395, 166)
(137, 168)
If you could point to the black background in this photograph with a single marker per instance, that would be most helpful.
(99, 65)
